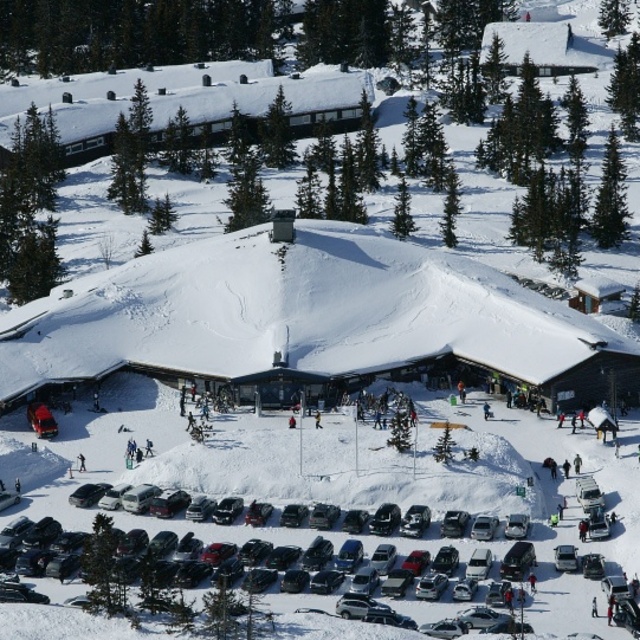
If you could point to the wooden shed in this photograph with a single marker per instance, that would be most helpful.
(597, 295)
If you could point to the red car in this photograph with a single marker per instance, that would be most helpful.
(417, 561)
(40, 418)
(258, 514)
(218, 552)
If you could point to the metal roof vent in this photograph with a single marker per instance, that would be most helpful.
(67, 98)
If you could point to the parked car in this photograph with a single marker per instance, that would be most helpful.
(191, 573)
(8, 499)
(87, 495)
(135, 543)
(33, 562)
(599, 528)
(126, 569)
(200, 509)
(366, 580)
(78, 602)
(281, 558)
(164, 572)
(349, 608)
(617, 587)
(42, 533)
(258, 514)
(383, 558)
(566, 558)
(112, 499)
(320, 552)
(465, 590)
(446, 561)
(484, 527)
(511, 626)
(432, 586)
(444, 629)
(218, 552)
(259, 580)
(415, 521)
(389, 619)
(254, 551)
(495, 595)
(228, 510)
(397, 583)
(481, 617)
(169, 503)
(295, 581)
(385, 520)
(593, 566)
(69, 541)
(350, 556)
(417, 562)
(517, 527)
(324, 516)
(479, 564)
(189, 548)
(11, 536)
(454, 524)
(293, 515)
(63, 567)
(355, 521)
(163, 543)
(326, 581)
(42, 420)
(228, 572)
(8, 594)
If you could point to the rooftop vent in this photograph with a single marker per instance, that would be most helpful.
(295, 75)
(15, 82)
(149, 67)
(283, 220)
(66, 79)
(162, 91)
(111, 95)
(67, 98)
(344, 67)
(199, 65)
(67, 293)
(112, 70)
(243, 79)
(206, 80)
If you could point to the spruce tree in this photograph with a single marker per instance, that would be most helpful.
(394, 164)
(575, 104)
(351, 205)
(309, 194)
(443, 450)
(239, 139)
(433, 147)
(140, 119)
(332, 197)
(218, 606)
(179, 155)
(403, 224)
(634, 304)
(426, 61)
(368, 162)
(411, 140)
(206, 162)
(400, 439)
(609, 224)
(124, 188)
(324, 150)
(624, 87)
(452, 209)
(163, 216)
(276, 138)
(145, 247)
(494, 73)
(517, 233)
(614, 17)
(402, 35)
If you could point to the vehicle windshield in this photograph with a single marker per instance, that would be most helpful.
(451, 519)
(112, 494)
(591, 494)
(566, 556)
(481, 525)
(347, 555)
(379, 556)
(360, 579)
(476, 562)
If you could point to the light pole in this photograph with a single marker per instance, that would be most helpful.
(355, 418)
(302, 403)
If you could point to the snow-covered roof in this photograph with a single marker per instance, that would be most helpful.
(599, 416)
(92, 114)
(545, 42)
(599, 286)
(347, 298)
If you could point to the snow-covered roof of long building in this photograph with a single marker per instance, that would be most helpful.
(345, 298)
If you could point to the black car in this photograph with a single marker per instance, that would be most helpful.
(386, 520)
(228, 572)
(228, 510)
(593, 566)
(163, 543)
(191, 573)
(326, 582)
(390, 619)
(88, 494)
(415, 521)
(126, 569)
(295, 581)
(454, 524)
(254, 551)
(281, 558)
(33, 562)
(70, 541)
(11, 536)
(293, 515)
(259, 580)
(324, 516)
(355, 521)
(42, 534)
(189, 548)
(164, 571)
(320, 552)
(509, 626)
(134, 543)
(8, 559)
(10, 594)
(446, 561)
(63, 567)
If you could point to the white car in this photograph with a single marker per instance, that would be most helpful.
(112, 499)
(518, 525)
(566, 558)
(617, 587)
(8, 499)
(465, 590)
(444, 629)
(484, 527)
(599, 529)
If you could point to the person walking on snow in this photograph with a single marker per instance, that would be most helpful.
(487, 410)
(560, 511)
(554, 470)
(573, 423)
(594, 607)
(509, 397)
(610, 614)
(577, 463)
(561, 418)
(377, 420)
(532, 582)
(148, 449)
(581, 418)
(567, 467)
(18, 486)
(318, 418)
(82, 461)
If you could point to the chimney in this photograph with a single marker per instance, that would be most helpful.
(67, 98)
(206, 80)
(162, 91)
(243, 79)
(111, 95)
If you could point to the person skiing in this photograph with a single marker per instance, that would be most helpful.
(574, 423)
(577, 463)
(318, 419)
(82, 463)
(567, 467)
(191, 422)
(594, 607)
(292, 423)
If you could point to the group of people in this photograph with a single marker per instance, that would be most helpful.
(318, 418)
(135, 453)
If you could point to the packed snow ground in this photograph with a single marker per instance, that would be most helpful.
(259, 457)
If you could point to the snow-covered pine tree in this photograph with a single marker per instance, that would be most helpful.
(124, 188)
(493, 72)
(411, 139)
(452, 209)
(403, 224)
(401, 438)
(309, 193)
(443, 450)
(366, 152)
(614, 17)
(276, 138)
(145, 247)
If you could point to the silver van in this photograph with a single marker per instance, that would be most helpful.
(480, 564)
(138, 500)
